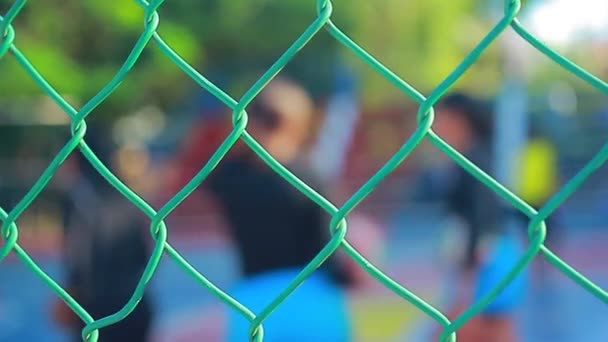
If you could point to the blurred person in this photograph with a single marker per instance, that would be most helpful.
(491, 246)
(324, 154)
(105, 250)
(276, 229)
(538, 178)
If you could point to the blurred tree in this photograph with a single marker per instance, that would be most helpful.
(421, 41)
(78, 46)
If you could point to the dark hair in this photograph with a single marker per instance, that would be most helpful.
(263, 114)
(99, 140)
(476, 112)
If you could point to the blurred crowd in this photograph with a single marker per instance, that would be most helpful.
(277, 231)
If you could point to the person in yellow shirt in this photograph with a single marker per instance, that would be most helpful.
(537, 177)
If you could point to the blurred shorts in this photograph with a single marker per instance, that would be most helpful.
(315, 311)
(503, 253)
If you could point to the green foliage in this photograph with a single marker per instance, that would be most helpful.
(421, 41)
(79, 45)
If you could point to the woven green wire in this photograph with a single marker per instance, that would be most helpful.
(338, 225)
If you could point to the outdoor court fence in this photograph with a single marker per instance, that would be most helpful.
(338, 226)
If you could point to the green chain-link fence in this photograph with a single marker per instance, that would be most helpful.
(338, 226)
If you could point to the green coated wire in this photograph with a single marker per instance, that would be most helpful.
(338, 225)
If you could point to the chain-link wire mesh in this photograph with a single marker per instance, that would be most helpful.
(338, 226)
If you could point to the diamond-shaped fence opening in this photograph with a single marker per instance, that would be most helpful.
(338, 226)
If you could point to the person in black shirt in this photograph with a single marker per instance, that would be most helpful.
(492, 246)
(467, 126)
(105, 250)
(277, 230)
